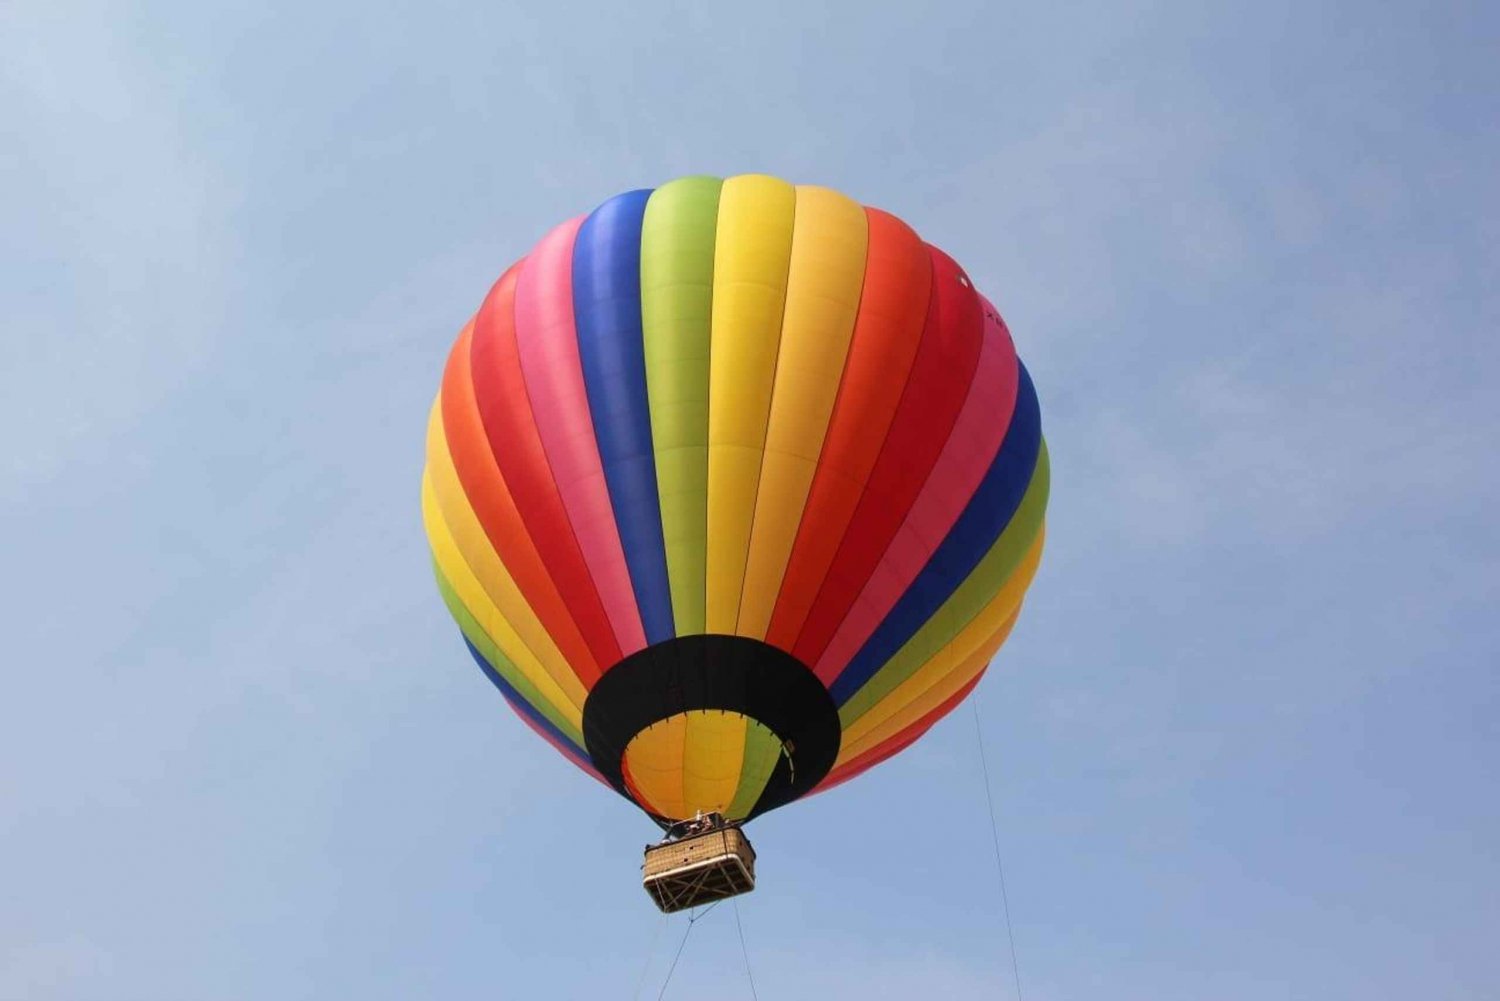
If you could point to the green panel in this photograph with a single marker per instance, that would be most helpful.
(966, 602)
(762, 749)
(677, 274)
(516, 678)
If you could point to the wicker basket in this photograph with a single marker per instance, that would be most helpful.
(699, 869)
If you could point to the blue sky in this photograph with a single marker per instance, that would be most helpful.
(1243, 741)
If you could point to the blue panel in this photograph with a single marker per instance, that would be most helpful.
(986, 515)
(607, 314)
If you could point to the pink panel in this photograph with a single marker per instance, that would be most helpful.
(548, 345)
(965, 458)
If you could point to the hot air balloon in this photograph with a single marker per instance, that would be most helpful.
(733, 488)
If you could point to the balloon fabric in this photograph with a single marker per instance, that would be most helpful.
(734, 488)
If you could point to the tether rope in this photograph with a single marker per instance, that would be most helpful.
(743, 951)
(646, 966)
(692, 920)
(995, 837)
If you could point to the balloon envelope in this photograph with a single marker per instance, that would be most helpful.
(734, 488)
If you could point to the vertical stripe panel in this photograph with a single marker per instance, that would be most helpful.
(822, 297)
(548, 346)
(712, 753)
(938, 384)
(888, 328)
(677, 273)
(484, 586)
(1020, 464)
(762, 752)
(516, 444)
(499, 585)
(486, 492)
(965, 459)
(607, 311)
(752, 253)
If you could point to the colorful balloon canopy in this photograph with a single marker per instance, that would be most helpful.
(734, 488)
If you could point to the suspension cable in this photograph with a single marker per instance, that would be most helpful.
(646, 966)
(743, 951)
(995, 838)
(693, 918)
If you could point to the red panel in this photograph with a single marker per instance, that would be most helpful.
(935, 391)
(547, 345)
(511, 428)
(496, 510)
(887, 330)
(971, 448)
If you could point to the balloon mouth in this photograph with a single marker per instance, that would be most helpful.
(730, 690)
(704, 761)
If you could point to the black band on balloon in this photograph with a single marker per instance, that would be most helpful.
(733, 673)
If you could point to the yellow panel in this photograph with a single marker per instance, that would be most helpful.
(501, 665)
(752, 252)
(822, 300)
(954, 665)
(537, 649)
(918, 704)
(469, 591)
(711, 760)
(654, 759)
